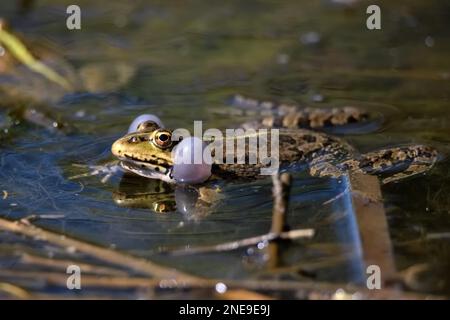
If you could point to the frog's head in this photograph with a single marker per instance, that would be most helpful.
(147, 152)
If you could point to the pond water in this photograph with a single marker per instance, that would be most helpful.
(182, 61)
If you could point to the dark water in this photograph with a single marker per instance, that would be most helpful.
(181, 62)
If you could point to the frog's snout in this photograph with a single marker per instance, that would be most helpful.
(117, 148)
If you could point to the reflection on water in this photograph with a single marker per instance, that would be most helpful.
(137, 192)
(182, 62)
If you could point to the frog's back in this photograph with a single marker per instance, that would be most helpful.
(295, 146)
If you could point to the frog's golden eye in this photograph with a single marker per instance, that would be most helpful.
(163, 139)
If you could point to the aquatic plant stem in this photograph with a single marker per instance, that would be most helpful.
(281, 191)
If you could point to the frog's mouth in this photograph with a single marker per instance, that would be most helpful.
(148, 169)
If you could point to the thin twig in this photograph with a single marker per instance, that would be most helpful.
(233, 245)
(54, 278)
(111, 256)
(281, 190)
(124, 283)
(63, 264)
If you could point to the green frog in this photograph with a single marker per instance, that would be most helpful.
(148, 151)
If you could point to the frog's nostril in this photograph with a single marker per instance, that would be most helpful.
(133, 140)
(116, 148)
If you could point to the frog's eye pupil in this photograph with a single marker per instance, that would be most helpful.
(162, 139)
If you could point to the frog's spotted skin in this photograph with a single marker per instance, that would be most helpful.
(295, 146)
(292, 116)
(394, 163)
